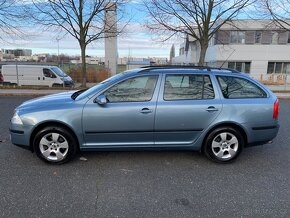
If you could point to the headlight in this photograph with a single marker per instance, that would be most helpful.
(16, 119)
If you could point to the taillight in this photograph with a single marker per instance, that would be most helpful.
(276, 109)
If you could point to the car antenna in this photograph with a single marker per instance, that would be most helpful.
(227, 59)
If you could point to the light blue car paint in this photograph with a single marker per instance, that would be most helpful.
(182, 124)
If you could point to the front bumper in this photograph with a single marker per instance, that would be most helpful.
(69, 83)
(20, 135)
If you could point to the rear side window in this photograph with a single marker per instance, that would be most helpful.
(234, 87)
(187, 87)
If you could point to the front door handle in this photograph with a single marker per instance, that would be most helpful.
(146, 111)
(211, 109)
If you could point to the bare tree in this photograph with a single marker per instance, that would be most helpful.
(278, 10)
(10, 13)
(196, 18)
(82, 19)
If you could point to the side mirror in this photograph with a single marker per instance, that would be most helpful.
(101, 100)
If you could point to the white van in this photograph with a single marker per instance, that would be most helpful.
(35, 75)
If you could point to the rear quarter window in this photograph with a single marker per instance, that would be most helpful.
(235, 87)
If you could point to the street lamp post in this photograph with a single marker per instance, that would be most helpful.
(58, 51)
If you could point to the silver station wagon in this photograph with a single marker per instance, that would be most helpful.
(215, 111)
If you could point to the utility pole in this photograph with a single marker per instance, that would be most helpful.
(17, 74)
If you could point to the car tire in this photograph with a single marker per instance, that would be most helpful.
(55, 145)
(224, 144)
(57, 85)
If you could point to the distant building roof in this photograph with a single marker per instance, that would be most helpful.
(147, 62)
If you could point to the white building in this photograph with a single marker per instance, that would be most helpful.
(257, 47)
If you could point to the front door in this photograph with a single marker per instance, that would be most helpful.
(186, 106)
(126, 119)
(47, 78)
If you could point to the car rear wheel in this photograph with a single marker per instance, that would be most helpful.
(55, 145)
(224, 144)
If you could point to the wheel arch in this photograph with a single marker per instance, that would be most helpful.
(226, 124)
(51, 123)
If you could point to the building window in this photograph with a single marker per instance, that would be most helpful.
(237, 37)
(181, 51)
(288, 37)
(240, 66)
(258, 36)
(278, 67)
(275, 37)
(211, 42)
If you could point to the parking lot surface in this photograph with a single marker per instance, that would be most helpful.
(145, 184)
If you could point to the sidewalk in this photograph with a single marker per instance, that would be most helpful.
(279, 91)
(29, 92)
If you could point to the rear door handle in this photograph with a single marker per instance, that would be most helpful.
(211, 109)
(146, 111)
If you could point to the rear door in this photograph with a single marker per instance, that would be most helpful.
(187, 104)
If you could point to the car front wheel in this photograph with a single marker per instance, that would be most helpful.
(55, 145)
(223, 144)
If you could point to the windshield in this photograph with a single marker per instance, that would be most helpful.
(97, 87)
(59, 72)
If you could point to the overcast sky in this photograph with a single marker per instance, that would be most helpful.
(136, 42)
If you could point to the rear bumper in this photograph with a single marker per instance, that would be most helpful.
(262, 134)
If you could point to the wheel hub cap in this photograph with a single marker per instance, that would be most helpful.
(225, 146)
(53, 147)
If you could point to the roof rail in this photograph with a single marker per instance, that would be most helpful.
(189, 66)
(178, 66)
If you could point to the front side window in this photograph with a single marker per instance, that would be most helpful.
(234, 87)
(136, 89)
(187, 87)
(48, 73)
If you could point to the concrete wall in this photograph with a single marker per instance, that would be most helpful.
(257, 54)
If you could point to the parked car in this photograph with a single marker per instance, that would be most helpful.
(216, 111)
(36, 75)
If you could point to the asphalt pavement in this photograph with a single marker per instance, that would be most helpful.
(145, 184)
